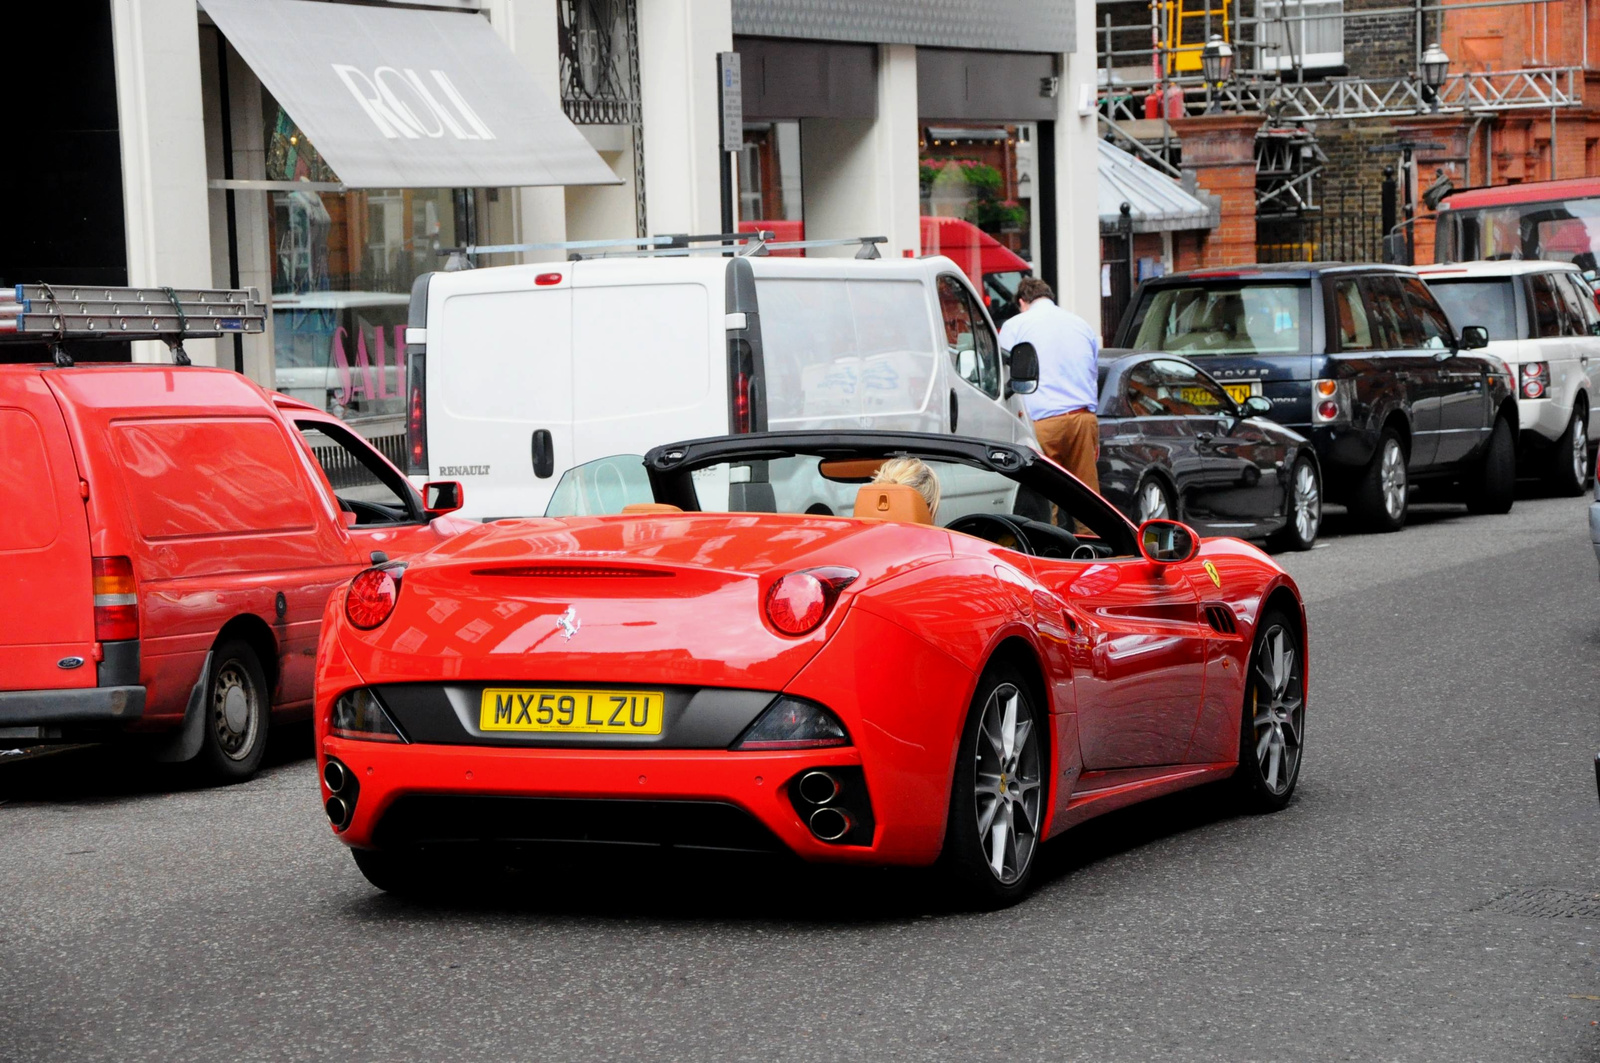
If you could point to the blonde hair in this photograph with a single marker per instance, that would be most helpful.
(914, 473)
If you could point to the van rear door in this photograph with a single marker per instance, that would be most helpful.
(44, 544)
(499, 385)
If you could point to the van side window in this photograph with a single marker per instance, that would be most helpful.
(1350, 317)
(361, 481)
(967, 335)
(1544, 306)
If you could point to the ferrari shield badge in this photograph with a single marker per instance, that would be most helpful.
(1211, 570)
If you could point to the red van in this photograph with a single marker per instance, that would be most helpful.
(168, 538)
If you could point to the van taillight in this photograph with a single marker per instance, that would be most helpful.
(741, 367)
(741, 403)
(416, 416)
(116, 600)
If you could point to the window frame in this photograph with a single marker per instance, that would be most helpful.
(369, 458)
(983, 334)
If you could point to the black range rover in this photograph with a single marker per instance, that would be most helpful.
(1359, 359)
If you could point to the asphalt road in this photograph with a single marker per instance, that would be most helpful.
(1432, 894)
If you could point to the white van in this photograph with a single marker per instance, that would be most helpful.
(515, 374)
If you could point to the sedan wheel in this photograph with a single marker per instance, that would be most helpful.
(1304, 510)
(997, 798)
(1273, 724)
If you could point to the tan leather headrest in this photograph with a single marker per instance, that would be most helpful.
(651, 507)
(892, 502)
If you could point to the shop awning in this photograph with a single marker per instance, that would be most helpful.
(1156, 201)
(397, 98)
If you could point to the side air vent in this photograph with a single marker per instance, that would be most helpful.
(1220, 617)
(573, 572)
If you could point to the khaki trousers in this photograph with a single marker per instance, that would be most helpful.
(1072, 441)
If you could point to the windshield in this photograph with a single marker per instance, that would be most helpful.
(957, 495)
(1489, 303)
(1208, 319)
(1560, 231)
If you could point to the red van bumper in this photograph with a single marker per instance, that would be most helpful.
(33, 708)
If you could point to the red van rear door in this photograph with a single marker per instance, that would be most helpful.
(46, 594)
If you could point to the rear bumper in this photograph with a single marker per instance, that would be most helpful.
(76, 705)
(711, 786)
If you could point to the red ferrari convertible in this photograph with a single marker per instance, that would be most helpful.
(747, 643)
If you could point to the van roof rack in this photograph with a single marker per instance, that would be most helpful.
(54, 314)
(673, 246)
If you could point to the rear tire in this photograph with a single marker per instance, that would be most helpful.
(1303, 509)
(1272, 726)
(237, 712)
(997, 798)
(1496, 489)
(1380, 498)
(1568, 468)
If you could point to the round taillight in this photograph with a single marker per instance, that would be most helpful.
(1328, 410)
(370, 599)
(1532, 389)
(797, 603)
(1533, 369)
(1326, 387)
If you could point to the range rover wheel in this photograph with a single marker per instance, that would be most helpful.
(1568, 469)
(236, 708)
(1273, 724)
(1496, 488)
(1379, 501)
(1304, 516)
(997, 796)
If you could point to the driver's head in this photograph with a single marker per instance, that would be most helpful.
(914, 473)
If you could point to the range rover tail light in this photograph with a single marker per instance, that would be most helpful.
(1535, 380)
(116, 600)
(1329, 401)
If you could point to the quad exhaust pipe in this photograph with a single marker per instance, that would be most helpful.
(830, 824)
(342, 793)
(818, 787)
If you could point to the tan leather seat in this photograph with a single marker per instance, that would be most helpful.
(892, 502)
(651, 507)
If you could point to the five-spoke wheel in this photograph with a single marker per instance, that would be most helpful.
(1273, 725)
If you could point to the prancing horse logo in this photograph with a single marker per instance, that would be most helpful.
(568, 622)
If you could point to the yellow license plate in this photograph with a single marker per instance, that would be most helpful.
(623, 712)
(1239, 392)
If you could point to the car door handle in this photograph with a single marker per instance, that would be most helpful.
(544, 454)
(1205, 437)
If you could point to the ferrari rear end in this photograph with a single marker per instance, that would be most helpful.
(682, 680)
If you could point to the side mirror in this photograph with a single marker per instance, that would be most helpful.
(1473, 338)
(1024, 361)
(1256, 406)
(1167, 542)
(442, 496)
(967, 364)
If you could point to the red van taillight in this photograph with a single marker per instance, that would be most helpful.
(371, 598)
(116, 600)
(798, 602)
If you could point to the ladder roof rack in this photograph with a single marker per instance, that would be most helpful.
(54, 314)
(739, 244)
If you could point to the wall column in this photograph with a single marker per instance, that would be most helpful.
(157, 49)
(1077, 188)
(858, 176)
(1221, 150)
(678, 85)
(1450, 156)
(531, 28)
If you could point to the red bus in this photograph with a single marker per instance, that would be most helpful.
(1554, 220)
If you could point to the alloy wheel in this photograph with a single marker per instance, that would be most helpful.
(1152, 502)
(1279, 712)
(1307, 503)
(1394, 479)
(1580, 448)
(233, 711)
(1007, 787)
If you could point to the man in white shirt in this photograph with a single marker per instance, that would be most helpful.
(1063, 408)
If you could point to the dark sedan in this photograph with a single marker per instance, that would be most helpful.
(1174, 444)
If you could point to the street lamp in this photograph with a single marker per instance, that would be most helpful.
(1435, 68)
(1216, 65)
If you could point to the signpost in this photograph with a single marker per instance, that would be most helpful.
(730, 96)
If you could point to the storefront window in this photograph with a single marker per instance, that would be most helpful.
(979, 184)
(342, 268)
(769, 181)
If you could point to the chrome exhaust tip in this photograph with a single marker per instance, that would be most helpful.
(338, 812)
(818, 787)
(335, 776)
(830, 824)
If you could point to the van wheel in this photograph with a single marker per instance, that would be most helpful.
(1496, 488)
(237, 709)
(1379, 500)
(1568, 471)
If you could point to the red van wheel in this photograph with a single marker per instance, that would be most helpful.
(236, 710)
